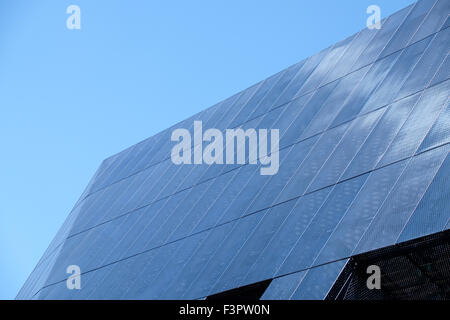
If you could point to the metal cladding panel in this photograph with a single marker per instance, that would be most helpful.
(363, 164)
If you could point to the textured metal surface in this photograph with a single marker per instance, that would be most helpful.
(364, 142)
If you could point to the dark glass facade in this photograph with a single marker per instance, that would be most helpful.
(364, 141)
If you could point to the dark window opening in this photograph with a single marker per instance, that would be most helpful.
(251, 292)
(415, 270)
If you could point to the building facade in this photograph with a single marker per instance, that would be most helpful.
(362, 180)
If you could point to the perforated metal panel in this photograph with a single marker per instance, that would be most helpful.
(364, 141)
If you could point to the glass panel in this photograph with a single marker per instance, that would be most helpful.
(428, 65)
(379, 140)
(394, 80)
(310, 167)
(356, 220)
(285, 238)
(318, 281)
(316, 235)
(418, 124)
(433, 211)
(391, 218)
(341, 157)
(283, 288)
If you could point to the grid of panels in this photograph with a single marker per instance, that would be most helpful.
(358, 121)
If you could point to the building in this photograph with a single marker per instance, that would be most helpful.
(364, 129)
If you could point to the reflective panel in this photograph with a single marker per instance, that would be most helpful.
(327, 63)
(195, 213)
(365, 88)
(391, 218)
(334, 103)
(434, 21)
(324, 146)
(416, 127)
(348, 60)
(439, 134)
(394, 80)
(356, 220)
(409, 27)
(274, 186)
(319, 230)
(282, 288)
(443, 73)
(311, 107)
(433, 211)
(388, 28)
(236, 271)
(253, 102)
(363, 164)
(347, 148)
(318, 281)
(179, 286)
(381, 137)
(428, 65)
(297, 82)
(268, 102)
(211, 271)
(276, 251)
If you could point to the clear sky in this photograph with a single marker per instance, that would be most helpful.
(70, 98)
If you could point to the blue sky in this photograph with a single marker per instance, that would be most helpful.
(70, 98)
